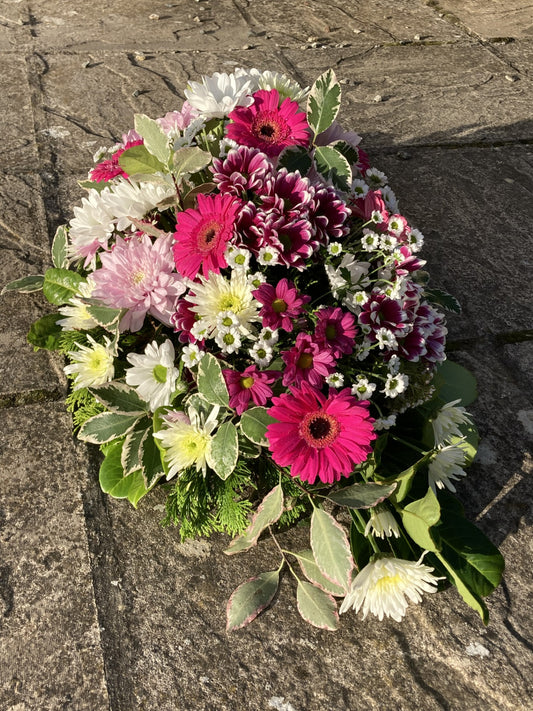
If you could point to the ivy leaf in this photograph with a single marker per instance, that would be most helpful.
(224, 451)
(210, 381)
(60, 285)
(442, 298)
(323, 102)
(317, 607)
(119, 397)
(331, 549)
(25, 285)
(254, 423)
(332, 164)
(312, 572)
(59, 248)
(419, 516)
(138, 159)
(190, 160)
(251, 598)
(155, 139)
(269, 512)
(106, 426)
(45, 332)
(362, 496)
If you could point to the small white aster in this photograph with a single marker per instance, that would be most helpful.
(334, 248)
(91, 365)
(191, 355)
(388, 242)
(385, 338)
(395, 384)
(335, 380)
(269, 336)
(375, 178)
(363, 388)
(268, 256)
(359, 188)
(370, 241)
(228, 339)
(261, 353)
(391, 201)
(256, 279)
(415, 240)
(201, 329)
(237, 258)
(225, 319)
(376, 217)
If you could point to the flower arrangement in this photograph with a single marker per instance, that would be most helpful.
(248, 324)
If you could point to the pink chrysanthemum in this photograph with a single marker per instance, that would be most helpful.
(281, 304)
(243, 169)
(307, 362)
(267, 125)
(174, 122)
(336, 329)
(328, 215)
(251, 384)
(108, 169)
(382, 312)
(317, 436)
(139, 275)
(288, 193)
(202, 235)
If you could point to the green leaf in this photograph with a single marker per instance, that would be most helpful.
(359, 543)
(323, 102)
(60, 285)
(119, 397)
(45, 332)
(471, 599)
(254, 423)
(132, 449)
(332, 164)
(453, 382)
(312, 572)
(204, 189)
(155, 139)
(59, 248)
(442, 298)
(138, 159)
(105, 316)
(295, 158)
(362, 496)
(113, 481)
(251, 598)
(190, 160)
(211, 383)
(92, 185)
(224, 450)
(317, 607)
(331, 549)
(418, 517)
(106, 426)
(269, 512)
(152, 464)
(247, 449)
(25, 285)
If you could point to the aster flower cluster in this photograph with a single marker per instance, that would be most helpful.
(248, 325)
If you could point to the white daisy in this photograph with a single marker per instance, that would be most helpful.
(153, 374)
(385, 338)
(269, 336)
(256, 279)
(228, 339)
(391, 201)
(191, 355)
(446, 464)
(363, 388)
(261, 353)
(415, 240)
(268, 256)
(375, 178)
(447, 420)
(91, 366)
(395, 384)
(220, 93)
(335, 380)
(382, 523)
(237, 258)
(384, 586)
(334, 248)
(359, 188)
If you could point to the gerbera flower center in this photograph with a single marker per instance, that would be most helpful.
(247, 382)
(279, 306)
(318, 429)
(207, 235)
(305, 361)
(270, 127)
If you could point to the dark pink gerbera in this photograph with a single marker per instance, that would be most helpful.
(317, 436)
(202, 235)
(267, 125)
(281, 304)
(307, 362)
(251, 384)
(336, 329)
(108, 169)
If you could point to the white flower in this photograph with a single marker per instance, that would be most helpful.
(225, 319)
(77, 316)
(364, 349)
(395, 384)
(225, 146)
(390, 198)
(153, 374)
(375, 178)
(228, 339)
(446, 464)
(363, 388)
(415, 240)
(385, 338)
(285, 86)
(393, 365)
(256, 279)
(384, 423)
(360, 188)
(237, 258)
(357, 272)
(91, 227)
(219, 94)
(388, 242)
(447, 420)
(189, 134)
(92, 365)
(269, 336)
(334, 248)
(261, 353)
(128, 199)
(191, 355)
(268, 256)
(336, 380)
(370, 240)
(201, 329)
(376, 217)
(382, 523)
(385, 585)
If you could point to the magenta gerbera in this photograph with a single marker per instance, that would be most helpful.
(202, 235)
(307, 362)
(267, 125)
(251, 384)
(281, 304)
(317, 436)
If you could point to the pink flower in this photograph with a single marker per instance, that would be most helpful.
(243, 169)
(281, 304)
(306, 361)
(139, 275)
(328, 215)
(372, 204)
(183, 320)
(317, 436)
(108, 169)
(380, 311)
(336, 330)
(177, 121)
(251, 384)
(267, 125)
(202, 235)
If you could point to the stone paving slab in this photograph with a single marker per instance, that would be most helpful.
(17, 150)
(491, 20)
(49, 631)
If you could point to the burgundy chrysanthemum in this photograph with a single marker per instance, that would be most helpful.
(328, 215)
(202, 235)
(336, 329)
(281, 304)
(252, 384)
(307, 362)
(317, 436)
(380, 311)
(243, 169)
(108, 169)
(267, 125)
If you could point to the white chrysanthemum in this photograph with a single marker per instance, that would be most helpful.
(375, 178)
(219, 94)
(186, 441)
(91, 366)
(262, 353)
(382, 523)
(447, 464)
(285, 86)
(153, 374)
(447, 420)
(91, 227)
(129, 199)
(384, 586)
(395, 384)
(363, 388)
(77, 316)
(359, 188)
(216, 294)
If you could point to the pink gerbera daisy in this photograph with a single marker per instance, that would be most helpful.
(202, 235)
(307, 361)
(251, 384)
(281, 304)
(317, 436)
(267, 125)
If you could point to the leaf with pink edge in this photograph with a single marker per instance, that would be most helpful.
(269, 512)
(251, 598)
(317, 607)
(331, 548)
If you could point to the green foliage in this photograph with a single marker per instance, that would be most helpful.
(83, 406)
(45, 333)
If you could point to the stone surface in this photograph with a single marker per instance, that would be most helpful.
(494, 20)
